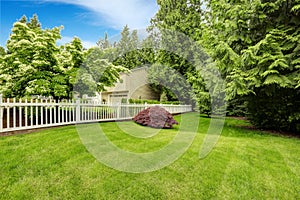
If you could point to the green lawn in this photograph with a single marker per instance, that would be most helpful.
(245, 164)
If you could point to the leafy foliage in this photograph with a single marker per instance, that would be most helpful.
(31, 62)
(258, 55)
(96, 73)
(127, 49)
(155, 117)
(200, 93)
(35, 65)
(143, 101)
(71, 57)
(169, 82)
(254, 45)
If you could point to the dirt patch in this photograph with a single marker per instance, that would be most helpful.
(239, 118)
(21, 132)
(272, 132)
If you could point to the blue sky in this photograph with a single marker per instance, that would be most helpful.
(86, 19)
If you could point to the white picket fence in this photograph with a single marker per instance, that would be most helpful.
(24, 114)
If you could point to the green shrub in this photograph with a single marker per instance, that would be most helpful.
(237, 107)
(143, 101)
(280, 110)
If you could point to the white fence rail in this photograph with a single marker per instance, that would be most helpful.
(23, 114)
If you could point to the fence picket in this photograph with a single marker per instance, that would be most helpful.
(14, 113)
(26, 113)
(8, 114)
(36, 113)
(20, 113)
(31, 113)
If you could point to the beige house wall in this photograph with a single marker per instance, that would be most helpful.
(144, 92)
(133, 85)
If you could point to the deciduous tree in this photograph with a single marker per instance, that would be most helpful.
(96, 73)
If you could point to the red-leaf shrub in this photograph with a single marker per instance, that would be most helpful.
(156, 117)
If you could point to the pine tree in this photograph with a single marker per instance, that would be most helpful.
(128, 49)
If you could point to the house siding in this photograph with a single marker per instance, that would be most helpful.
(133, 85)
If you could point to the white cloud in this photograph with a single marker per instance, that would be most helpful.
(88, 44)
(117, 13)
(85, 43)
(64, 40)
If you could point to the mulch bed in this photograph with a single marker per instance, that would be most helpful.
(272, 132)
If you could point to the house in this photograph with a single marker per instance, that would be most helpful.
(133, 85)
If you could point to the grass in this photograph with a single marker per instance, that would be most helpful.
(245, 164)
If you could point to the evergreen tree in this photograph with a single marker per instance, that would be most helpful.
(184, 16)
(147, 51)
(127, 49)
(255, 45)
(104, 43)
(180, 26)
(124, 45)
(257, 49)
